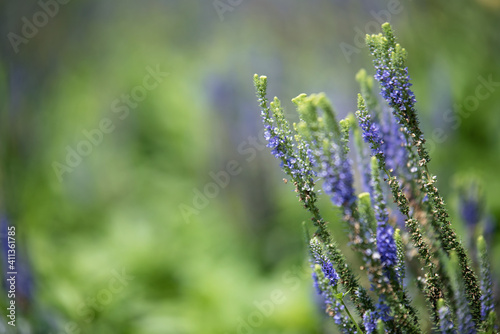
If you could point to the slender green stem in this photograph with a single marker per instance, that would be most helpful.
(350, 315)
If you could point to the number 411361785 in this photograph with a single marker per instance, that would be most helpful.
(12, 248)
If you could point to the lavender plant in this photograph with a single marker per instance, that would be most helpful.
(400, 212)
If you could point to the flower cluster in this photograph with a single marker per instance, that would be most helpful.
(394, 147)
(425, 253)
(325, 263)
(326, 282)
(336, 172)
(371, 132)
(386, 244)
(297, 163)
(395, 87)
(370, 322)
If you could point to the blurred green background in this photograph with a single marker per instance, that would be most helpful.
(121, 241)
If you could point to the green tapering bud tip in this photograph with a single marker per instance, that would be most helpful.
(307, 109)
(380, 327)
(387, 29)
(441, 303)
(361, 75)
(321, 101)
(345, 124)
(386, 25)
(298, 100)
(481, 244)
(397, 234)
(260, 80)
(364, 200)
(366, 210)
(274, 104)
(365, 81)
(361, 102)
(363, 195)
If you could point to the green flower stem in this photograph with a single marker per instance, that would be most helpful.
(350, 315)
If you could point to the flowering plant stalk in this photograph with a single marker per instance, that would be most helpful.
(384, 234)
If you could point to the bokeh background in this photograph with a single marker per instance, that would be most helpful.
(122, 241)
